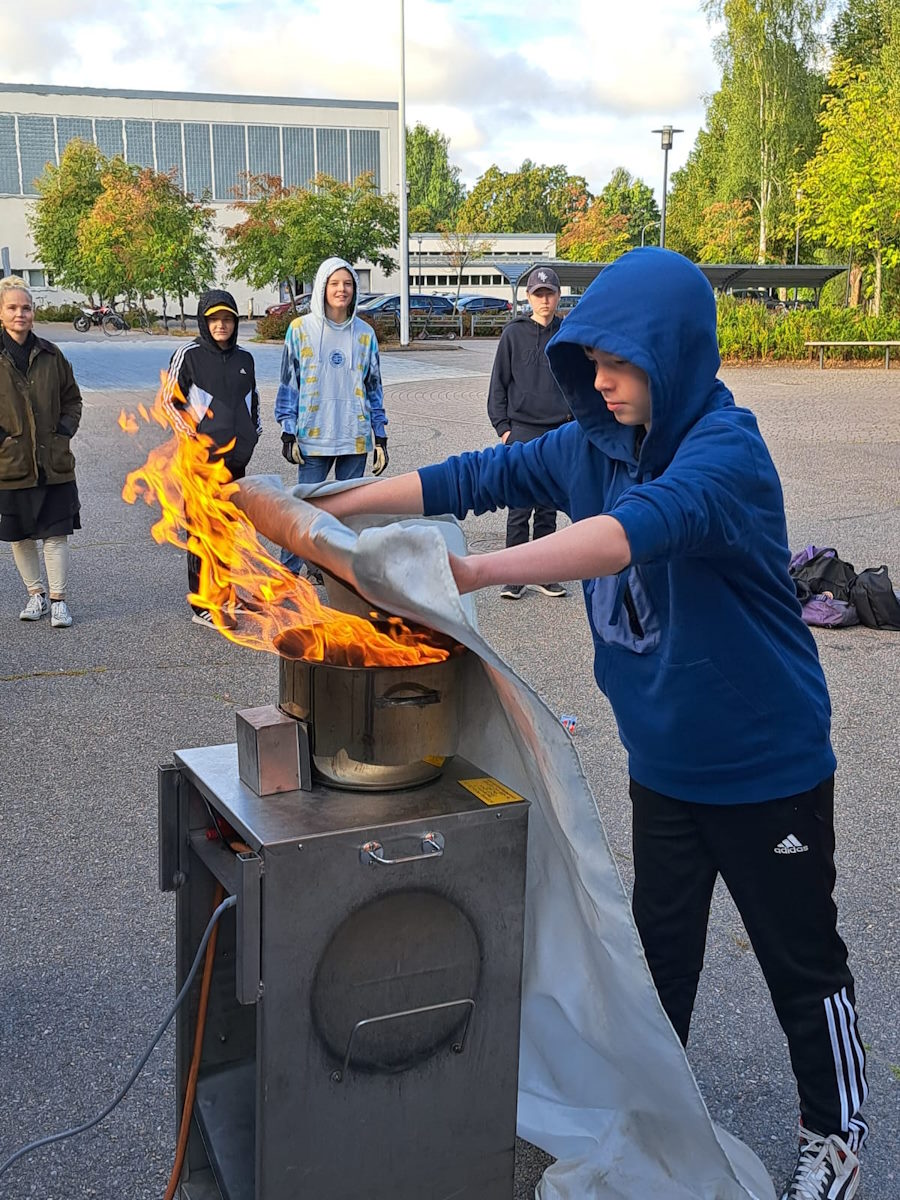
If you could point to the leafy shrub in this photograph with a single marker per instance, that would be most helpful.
(57, 312)
(386, 326)
(749, 332)
(273, 329)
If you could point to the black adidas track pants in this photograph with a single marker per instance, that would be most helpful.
(777, 861)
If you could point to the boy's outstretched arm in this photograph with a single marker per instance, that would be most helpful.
(589, 548)
(400, 495)
(592, 547)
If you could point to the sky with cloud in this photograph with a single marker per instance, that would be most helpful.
(582, 83)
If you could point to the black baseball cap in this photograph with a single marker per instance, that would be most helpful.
(541, 277)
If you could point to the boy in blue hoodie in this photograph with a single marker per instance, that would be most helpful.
(330, 403)
(679, 536)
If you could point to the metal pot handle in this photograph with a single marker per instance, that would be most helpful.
(423, 695)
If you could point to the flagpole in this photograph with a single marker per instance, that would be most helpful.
(404, 197)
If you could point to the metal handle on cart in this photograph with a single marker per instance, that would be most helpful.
(457, 1046)
(373, 852)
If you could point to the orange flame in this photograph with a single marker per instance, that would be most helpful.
(252, 597)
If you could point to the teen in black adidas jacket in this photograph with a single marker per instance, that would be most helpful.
(212, 388)
(214, 381)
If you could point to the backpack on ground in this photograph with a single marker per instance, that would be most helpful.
(818, 571)
(872, 595)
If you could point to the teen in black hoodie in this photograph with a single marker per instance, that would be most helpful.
(211, 389)
(524, 401)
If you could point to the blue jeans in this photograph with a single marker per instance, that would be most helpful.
(315, 470)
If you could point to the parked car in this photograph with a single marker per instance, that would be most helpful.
(565, 306)
(439, 305)
(300, 306)
(483, 304)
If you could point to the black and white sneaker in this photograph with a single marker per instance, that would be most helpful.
(202, 616)
(512, 591)
(550, 589)
(827, 1169)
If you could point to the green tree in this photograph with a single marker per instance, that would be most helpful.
(595, 234)
(67, 194)
(534, 199)
(143, 235)
(462, 248)
(633, 199)
(851, 189)
(727, 232)
(259, 248)
(767, 103)
(860, 30)
(288, 232)
(435, 188)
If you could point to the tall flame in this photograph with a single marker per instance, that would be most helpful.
(252, 597)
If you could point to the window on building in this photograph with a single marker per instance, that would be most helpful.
(331, 153)
(365, 153)
(197, 162)
(168, 148)
(69, 128)
(431, 281)
(139, 142)
(229, 161)
(35, 278)
(443, 280)
(299, 156)
(37, 147)
(9, 158)
(265, 151)
(109, 138)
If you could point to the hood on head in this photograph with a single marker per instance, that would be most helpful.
(324, 273)
(655, 309)
(216, 299)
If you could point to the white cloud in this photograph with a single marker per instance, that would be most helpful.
(581, 84)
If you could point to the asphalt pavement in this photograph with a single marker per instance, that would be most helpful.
(87, 944)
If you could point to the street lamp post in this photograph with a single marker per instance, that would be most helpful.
(668, 134)
(797, 236)
(647, 225)
(404, 205)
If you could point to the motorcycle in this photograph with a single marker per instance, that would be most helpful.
(103, 315)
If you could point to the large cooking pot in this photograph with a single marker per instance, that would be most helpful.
(374, 728)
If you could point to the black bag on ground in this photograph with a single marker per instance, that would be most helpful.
(873, 596)
(824, 572)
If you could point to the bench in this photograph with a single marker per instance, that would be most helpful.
(821, 346)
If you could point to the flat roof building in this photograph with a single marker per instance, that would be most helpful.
(208, 140)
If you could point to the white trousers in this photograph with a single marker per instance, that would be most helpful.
(56, 560)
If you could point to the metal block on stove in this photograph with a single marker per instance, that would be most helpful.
(272, 755)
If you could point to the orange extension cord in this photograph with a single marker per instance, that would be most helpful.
(191, 1089)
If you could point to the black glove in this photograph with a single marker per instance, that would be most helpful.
(290, 450)
(380, 458)
(64, 427)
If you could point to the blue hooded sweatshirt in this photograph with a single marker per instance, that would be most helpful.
(714, 679)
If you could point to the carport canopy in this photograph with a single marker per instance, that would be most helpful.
(722, 276)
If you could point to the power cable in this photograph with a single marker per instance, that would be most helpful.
(229, 902)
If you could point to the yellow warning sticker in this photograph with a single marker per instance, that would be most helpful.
(490, 791)
(434, 760)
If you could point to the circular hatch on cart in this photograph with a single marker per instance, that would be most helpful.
(408, 950)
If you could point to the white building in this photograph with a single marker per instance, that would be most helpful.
(431, 268)
(209, 140)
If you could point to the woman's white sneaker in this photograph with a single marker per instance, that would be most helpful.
(60, 617)
(36, 607)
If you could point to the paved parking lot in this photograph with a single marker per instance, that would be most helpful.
(87, 713)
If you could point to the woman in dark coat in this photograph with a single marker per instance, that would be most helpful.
(40, 410)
